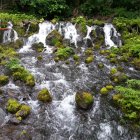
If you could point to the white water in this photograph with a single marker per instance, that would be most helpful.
(110, 31)
(70, 33)
(89, 29)
(44, 29)
(7, 35)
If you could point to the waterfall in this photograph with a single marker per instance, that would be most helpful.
(110, 34)
(10, 34)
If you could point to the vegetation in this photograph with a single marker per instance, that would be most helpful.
(44, 96)
(84, 100)
(20, 73)
(127, 98)
(3, 80)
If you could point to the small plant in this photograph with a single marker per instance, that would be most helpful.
(64, 53)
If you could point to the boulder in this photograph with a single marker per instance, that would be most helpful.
(44, 96)
(84, 100)
(54, 38)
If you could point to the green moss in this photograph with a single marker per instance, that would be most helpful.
(117, 97)
(98, 22)
(30, 81)
(3, 80)
(100, 65)
(113, 71)
(109, 87)
(104, 91)
(44, 96)
(89, 52)
(136, 63)
(20, 73)
(13, 106)
(56, 59)
(128, 100)
(76, 57)
(84, 100)
(89, 59)
(23, 112)
(39, 47)
(64, 53)
(39, 58)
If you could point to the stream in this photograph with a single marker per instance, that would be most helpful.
(61, 119)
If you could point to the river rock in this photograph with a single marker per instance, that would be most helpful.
(84, 100)
(53, 38)
(2, 116)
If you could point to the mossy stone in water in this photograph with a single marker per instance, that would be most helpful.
(84, 100)
(3, 80)
(44, 96)
(104, 91)
(38, 46)
(30, 81)
(76, 57)
(23, 112)
(13, 106)
(89, 59)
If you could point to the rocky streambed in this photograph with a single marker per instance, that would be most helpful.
(88, 70)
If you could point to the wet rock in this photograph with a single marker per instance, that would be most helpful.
(2, 116)
(44, 96)
(38, 46)
(84, 100)
(54, 38)
(14, 120)
(3, 80)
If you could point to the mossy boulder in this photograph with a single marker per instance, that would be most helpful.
(18, 44)
(113, 71)
(30, 80)
(23, 112)
(84, 100)
(100, 65)
(89, 52)
(109, 87)
(3, 80)
(104, 91)
(64, 53)
(54, 38)
(89, 59)
(76, 57)
(44, 96)
(13, 106)
(117, 97)
(38, 46)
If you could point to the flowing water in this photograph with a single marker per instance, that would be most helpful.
(61, 120)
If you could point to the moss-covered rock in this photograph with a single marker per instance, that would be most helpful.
(54, 38)
(84, 100)
(136, 63)
(100, 65)
(44, 96)
(23, 112)
(30, 80)
(64, 53)
(89, 52)
(89, 59)
(104, 91)
(38, 46)
(117, 97)
(13, 106)
(109, 87)
(113, 71)
(76, 57)
(3, 80)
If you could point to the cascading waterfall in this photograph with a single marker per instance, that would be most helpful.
(61, 120)
(9, 34)
(110, 34)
